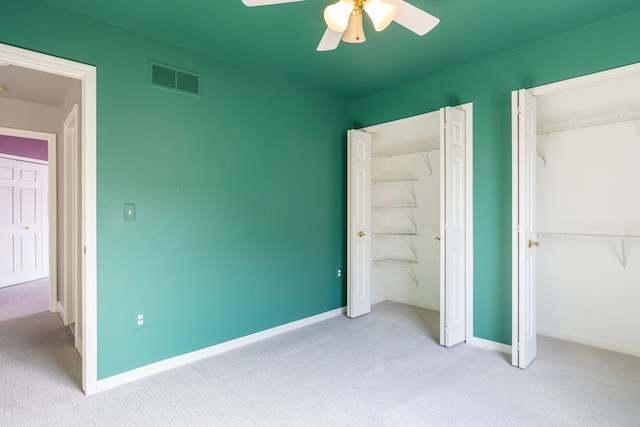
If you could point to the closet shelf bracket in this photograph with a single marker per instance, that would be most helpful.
(405, 236)
(407, 265)
(584, 236)
(541, 149)
(427, 161)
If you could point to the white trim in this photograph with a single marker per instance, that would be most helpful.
(78, 342)
(538, 91)
(407, 121)
(515, 195)
(489, 345)
(379, 300)
(53, 200)
(634, 351)
(69, 210)
(586, 79)
(185, 359)
(468, 109)
(413, 303)
(24, 159)
(60, 310)
(87, 76)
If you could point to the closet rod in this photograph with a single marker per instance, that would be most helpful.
(627, 117)
(622, 237)
(586, 235)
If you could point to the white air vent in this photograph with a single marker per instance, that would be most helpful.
(173, 78)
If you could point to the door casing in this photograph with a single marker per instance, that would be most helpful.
(468, 109)
(86, 74)
(538, 91)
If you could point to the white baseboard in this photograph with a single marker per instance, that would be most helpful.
(184, 359)
(61, 311)
(78, 345)
(489, 345)
(620, 348)
(377, 300)
(406, 302)
(414, 303)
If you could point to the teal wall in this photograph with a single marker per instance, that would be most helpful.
(239, 193)
(488, 84)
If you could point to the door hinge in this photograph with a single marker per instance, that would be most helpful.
(85, 250)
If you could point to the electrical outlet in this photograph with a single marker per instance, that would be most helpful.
(338, 272)
(141, 321)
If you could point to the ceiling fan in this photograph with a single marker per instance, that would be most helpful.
(344, 18)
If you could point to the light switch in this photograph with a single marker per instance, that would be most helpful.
(129, 212)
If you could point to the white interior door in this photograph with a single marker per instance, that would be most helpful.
(21, 221)
(359, 223)
(452, 223)
(524, 266)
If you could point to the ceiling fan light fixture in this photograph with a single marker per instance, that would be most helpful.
(337, 15)
(381, 13)
(354, 32)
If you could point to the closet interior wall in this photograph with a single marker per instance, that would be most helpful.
(406, 214)
(587, 185)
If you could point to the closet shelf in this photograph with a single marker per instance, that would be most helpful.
(422, 147)
(395, 261)
(623, 238)
(397, 179)
(397, 234)
(596, 121)
(406, 264)
(402, 206)
(589, 235)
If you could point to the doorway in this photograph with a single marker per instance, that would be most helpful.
(574, 174)
(86, 75)
(410, 214)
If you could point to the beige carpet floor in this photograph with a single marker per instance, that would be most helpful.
(383, 369)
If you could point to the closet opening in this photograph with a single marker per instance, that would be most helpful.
(582, 215)
(409, 233)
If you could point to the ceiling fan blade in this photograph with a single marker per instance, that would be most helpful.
(413, 18)
(252, 3)
(330, 40)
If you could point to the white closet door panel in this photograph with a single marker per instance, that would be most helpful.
(359, 223)
(526, 287)
(453, 279)
(7, 255)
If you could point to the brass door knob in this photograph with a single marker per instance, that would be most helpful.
(532, 243)
(27, 227)
(438, 239)
(360, 233)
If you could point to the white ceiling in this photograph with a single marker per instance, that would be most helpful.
(32, 86)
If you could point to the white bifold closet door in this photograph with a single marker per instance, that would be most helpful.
(358, 223)
(452, 227)
(524, 214)
(453, 224)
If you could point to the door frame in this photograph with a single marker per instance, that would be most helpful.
(538, 91)
(468, 109)
(86, 74)
(52, 215)
(70, 247)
